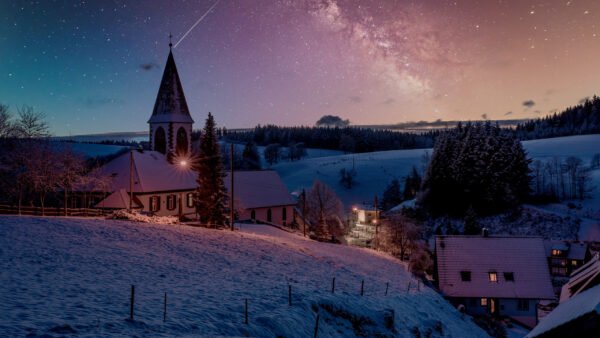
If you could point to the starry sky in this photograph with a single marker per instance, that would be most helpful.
(95, 66)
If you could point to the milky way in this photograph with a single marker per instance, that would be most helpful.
(95, 66)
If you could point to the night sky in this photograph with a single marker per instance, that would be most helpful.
(95, 66)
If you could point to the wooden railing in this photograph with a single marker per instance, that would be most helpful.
(49, 211)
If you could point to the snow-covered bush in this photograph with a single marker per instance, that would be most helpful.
(136, 216)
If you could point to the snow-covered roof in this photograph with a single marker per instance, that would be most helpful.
(255, 189)
(573, 308)
(152, 173)
(581, 279)
(118, 200)
(577, 251)
(170, 105)
(523, 256)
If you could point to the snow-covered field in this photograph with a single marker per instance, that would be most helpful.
(63, 275)
(375, 170)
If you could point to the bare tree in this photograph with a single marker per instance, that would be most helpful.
(6, 125)
(397, 236)
(44, 171)
(71, 169)
(322, 204)
(31, 124)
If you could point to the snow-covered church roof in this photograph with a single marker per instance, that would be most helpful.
(170, 105)
(152, 173)
(522, 258)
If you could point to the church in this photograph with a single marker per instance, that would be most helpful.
(163, 186)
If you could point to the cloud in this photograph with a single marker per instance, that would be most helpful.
(552, 111)
(537, 111)
(484, 116)
(355, 99)
(582, 101)
(148, 66)
(529, 103)
(508, 113)
(388, 101)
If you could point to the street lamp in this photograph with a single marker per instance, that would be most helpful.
(183, 163)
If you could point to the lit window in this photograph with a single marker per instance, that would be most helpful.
(190, 200)
(483, 301)
(465, 276)
(493, 277)
(171, 202)
(509, 276)
(574, 263)
(556, 252)
(154, 203)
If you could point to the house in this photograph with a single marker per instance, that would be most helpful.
(161, 179)
(586, 277)
(575, 317)
(500, 276)
(365, 225)
(565, 257)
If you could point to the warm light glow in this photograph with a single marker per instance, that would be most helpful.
(183, 163)
(355, 209)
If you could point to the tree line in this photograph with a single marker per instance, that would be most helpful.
(583, 118)
(347, 139)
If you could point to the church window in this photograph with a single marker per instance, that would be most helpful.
(155, 203)
(253, 214)
(182, 141)
(269, 215)
(171, 202)
(284, 213)
(190, 200)
(160, 140)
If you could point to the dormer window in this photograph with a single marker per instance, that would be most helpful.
(509, 276)
(493, 276)
(556, 252)
(465, 276)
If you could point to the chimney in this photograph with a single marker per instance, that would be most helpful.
(484, 232)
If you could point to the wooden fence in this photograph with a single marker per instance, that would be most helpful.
(49, 211)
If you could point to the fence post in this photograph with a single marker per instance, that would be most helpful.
(362, 287)
(132, 299)
(333, 285)
(290, 294)
(316, 326)
(418, 285)
(408, 288)
(246, 312)
(386, 287)
(165, 309)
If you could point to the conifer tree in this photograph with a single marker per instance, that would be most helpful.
(250, 157)
(210, 196)
(391, 196)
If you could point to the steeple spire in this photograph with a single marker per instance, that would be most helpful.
(170, 105)
(170, 43)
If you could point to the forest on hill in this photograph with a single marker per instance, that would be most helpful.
(581, 119)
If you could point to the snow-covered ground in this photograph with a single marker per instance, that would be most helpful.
(63, 275)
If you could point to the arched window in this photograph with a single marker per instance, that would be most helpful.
(160, 140)
(253, 214)
(284, 213)
(182, 141)
(269, 215)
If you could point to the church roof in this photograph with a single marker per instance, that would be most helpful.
(170, 103)
(152, 173)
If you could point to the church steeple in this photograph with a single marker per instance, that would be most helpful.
(171, 122)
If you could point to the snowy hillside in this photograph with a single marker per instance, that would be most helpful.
(92, 149)
(64, 275)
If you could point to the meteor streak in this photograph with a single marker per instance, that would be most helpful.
(197, 22)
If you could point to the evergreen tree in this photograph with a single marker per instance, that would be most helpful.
(210, 196)
(412, 184)
(391, 195)
(250, 157)
(476, 165)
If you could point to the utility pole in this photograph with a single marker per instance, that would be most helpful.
(303, 213)
(131, 180)
(231, 191)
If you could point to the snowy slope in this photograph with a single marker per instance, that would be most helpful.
(375, 170)
(91, 149)
(59, 272)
